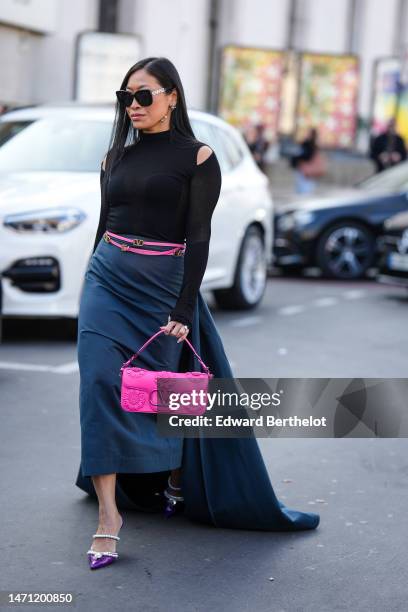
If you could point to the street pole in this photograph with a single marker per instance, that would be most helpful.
(213, 64)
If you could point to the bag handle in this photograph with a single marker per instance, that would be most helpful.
(161, 331)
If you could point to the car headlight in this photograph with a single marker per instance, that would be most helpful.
(48, 221)
(303, 217)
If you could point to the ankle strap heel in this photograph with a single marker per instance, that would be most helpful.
(97, 558)
(175, 503)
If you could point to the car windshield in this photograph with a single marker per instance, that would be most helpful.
(53, 145)
(393, 179)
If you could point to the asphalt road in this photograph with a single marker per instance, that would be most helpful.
(356, 560)
(309, 327)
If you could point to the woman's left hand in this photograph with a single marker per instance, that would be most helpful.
(174, 328)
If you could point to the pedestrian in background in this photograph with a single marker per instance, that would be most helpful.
(257, 144)
(388, 148)
(309, 164)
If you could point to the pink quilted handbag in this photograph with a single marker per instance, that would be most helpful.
(143, 391)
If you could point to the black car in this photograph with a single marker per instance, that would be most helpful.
(338, 233)
(393, 246)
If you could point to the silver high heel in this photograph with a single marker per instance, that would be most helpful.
(175, 503)
(98, 559)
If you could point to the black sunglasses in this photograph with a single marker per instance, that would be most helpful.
(143, 96)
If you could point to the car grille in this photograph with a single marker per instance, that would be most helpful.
(35, 274)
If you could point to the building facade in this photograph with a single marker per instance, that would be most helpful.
(38, 38)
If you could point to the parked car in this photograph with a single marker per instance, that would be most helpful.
(50, 160)
(338, 232)
(393, 246)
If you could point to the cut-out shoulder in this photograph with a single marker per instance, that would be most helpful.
(203, 154)
(104, 163)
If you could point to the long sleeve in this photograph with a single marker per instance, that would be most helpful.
(205, 189)
(103, 213)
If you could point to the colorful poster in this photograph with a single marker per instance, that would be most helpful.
(385, 93)
(250, 88)
(328, 87)
(402, 115)
(385, 98)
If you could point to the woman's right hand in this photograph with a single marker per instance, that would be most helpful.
(175, 328)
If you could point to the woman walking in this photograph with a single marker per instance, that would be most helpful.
(159, 188)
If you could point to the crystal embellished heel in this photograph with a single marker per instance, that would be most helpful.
(99, 559)
(175, 503)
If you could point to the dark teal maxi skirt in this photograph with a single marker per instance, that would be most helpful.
(126, 298)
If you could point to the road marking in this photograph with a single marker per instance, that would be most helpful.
(66, 368)
(246, 321)
(325, 301)
(31, 367)
(322, 302)
(354, 294)
(291, 310)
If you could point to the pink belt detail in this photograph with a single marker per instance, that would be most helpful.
(179, 250)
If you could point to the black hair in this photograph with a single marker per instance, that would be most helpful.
(123, 133)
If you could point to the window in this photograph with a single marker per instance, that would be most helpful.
(234, 152)
(393, 179)
(54, 145)
(221, 148)
(205, 133)
(9, 129)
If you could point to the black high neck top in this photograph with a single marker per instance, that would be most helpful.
(158, 190)
(163, 135)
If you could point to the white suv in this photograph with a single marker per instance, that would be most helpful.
(50, 158)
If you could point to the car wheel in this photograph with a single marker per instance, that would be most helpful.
(345, 250)
(250, 275)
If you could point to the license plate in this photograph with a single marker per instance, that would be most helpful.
(398, 261)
